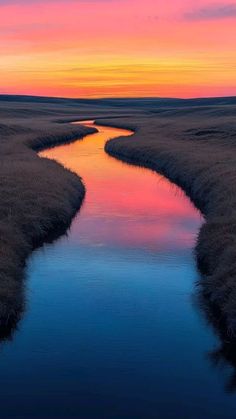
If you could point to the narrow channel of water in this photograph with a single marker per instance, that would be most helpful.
(111, 330)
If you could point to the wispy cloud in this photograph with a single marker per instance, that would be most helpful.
(212, 12)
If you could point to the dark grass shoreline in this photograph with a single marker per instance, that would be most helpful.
(193, 143)
(39, 198)
(205, 169)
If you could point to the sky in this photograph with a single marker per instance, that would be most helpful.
(118, 48)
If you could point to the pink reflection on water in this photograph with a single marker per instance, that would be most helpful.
(125, 206)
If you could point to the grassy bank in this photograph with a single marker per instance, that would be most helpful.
(196, 149)
(191, 142)
(38, 199)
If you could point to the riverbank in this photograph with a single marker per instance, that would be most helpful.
(193, 142)
(38, 197)
(38, 200)
(197, 151)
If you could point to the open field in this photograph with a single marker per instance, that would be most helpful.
(191, 142)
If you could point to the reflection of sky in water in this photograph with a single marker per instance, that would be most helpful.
(111, 331)
(133, 208)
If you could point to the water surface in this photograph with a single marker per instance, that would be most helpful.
(111, 330)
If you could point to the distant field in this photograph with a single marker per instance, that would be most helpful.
(191, 142)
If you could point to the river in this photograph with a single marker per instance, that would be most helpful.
(111, 328)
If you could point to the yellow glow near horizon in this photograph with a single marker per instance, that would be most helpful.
(117, 48)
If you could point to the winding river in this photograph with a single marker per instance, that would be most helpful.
(111, 328)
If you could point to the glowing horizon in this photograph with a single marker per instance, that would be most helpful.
(118, 48)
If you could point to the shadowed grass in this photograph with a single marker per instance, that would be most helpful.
(191, 142)
(197, 151)
(38, 197)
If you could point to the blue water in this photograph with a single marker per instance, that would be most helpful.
(111, 329)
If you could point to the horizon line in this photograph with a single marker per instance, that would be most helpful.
(115, 97)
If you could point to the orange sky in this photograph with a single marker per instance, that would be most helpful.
(94, 48)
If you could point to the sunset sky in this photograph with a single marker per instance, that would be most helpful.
(108, 48)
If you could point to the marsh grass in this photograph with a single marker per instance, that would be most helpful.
(38, 198)
(197, 151)
(193, 143)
